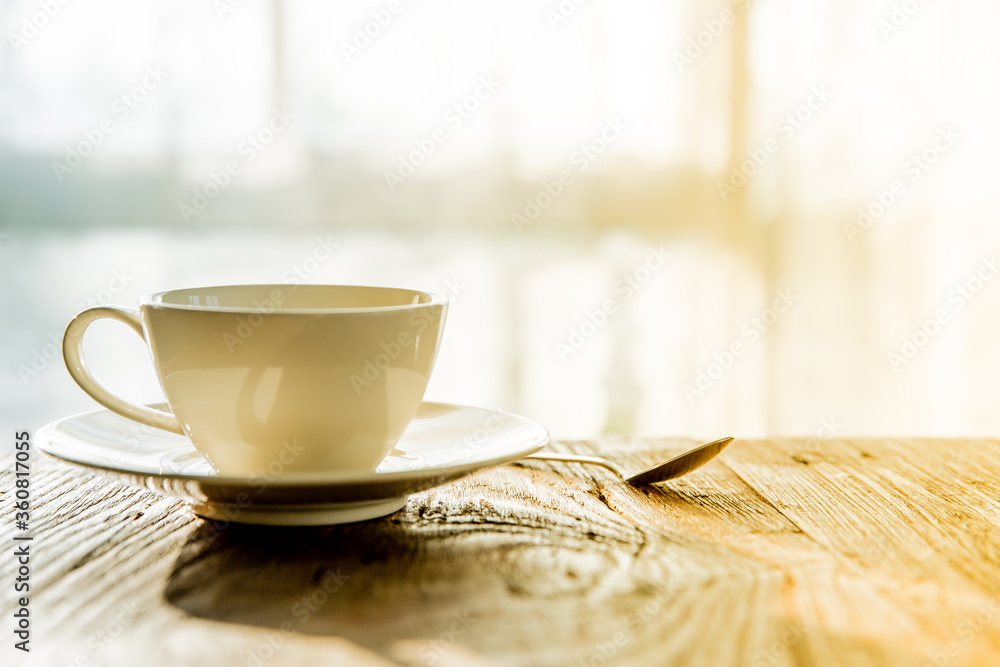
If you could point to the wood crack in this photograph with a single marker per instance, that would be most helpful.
(767, 501)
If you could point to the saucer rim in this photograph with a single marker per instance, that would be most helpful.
(308, 479)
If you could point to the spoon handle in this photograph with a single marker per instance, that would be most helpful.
(575, 458)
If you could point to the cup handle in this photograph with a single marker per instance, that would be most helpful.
(78, 369)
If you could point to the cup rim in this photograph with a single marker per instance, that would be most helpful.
(155, 299)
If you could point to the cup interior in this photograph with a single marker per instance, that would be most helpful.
(284, 297)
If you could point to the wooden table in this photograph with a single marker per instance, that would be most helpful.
(782, 552)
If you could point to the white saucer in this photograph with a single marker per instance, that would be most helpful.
(442, 443)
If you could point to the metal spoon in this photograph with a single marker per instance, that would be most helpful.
(681, 464)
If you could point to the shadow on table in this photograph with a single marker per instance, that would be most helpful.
(360, 581)
(408, 586)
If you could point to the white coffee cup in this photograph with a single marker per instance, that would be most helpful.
(266, 377)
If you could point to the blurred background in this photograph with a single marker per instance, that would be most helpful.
(653, 216)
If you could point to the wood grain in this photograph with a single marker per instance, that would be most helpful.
(782, 552)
